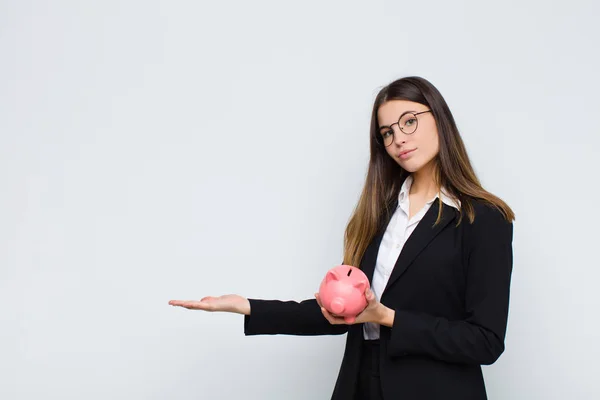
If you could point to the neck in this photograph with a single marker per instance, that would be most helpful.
(424, 184)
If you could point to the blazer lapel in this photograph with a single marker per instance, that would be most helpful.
(424, 233)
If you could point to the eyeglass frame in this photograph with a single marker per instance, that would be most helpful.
(382, 139)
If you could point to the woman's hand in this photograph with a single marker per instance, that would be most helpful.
(374, 312)
(227, 303)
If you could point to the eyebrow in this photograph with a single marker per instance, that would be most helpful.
(407, 111)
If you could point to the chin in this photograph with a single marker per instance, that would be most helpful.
(410, 166)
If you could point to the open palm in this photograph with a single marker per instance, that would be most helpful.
(226, 303)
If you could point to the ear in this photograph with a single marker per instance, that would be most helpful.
(361, 286)
(331, 276)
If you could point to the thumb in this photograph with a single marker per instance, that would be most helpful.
(370, 295)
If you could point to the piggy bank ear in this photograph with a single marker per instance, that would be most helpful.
(361, 286)
(331, 276)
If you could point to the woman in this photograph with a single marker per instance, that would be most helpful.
(437, 249)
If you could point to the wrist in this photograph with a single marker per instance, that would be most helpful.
(244, 307)
(386, 317)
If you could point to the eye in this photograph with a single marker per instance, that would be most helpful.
(386, 134)
(410, 121)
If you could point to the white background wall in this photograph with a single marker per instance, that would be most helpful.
(157, 150)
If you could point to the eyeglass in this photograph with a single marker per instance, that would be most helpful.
(407, 123)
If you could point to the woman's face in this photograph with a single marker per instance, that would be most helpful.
(411, 151)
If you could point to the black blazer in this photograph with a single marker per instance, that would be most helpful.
(450, 292)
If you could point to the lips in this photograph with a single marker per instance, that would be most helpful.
(406, 153)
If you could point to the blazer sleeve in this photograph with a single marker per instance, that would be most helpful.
(479, 337)
(275, 317)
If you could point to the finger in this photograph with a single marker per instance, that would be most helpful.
(370, 296)
(318, 299)
(184, 303)
(327, 315)
(190, 304)
(332, 318)
(321, 305)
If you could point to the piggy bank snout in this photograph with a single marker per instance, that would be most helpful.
(337, 305)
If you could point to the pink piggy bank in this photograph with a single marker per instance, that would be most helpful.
(342, 291)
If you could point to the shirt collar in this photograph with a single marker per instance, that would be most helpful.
(446, 199)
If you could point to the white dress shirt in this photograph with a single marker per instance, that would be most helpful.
(397, 233)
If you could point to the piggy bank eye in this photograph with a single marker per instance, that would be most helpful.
(349, 272)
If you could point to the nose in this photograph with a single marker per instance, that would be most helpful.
(399, 136)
